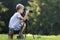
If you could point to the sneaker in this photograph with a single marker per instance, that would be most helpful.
(20, 37)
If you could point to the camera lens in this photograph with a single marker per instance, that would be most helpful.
(30, 11)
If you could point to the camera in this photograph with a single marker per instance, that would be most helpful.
(30, 11)
(25, 9)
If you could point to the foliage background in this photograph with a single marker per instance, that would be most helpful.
(45, 18)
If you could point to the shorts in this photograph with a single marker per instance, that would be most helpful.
(16, 28)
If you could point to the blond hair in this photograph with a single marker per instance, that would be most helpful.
(18, 6)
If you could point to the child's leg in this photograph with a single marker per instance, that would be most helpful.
(10, 34)
(23, 28)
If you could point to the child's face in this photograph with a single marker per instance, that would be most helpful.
(21, 10)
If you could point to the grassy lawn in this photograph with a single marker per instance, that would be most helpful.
(29, 37)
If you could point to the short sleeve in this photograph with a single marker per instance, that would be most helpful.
(19, 16)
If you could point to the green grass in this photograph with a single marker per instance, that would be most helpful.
(29, 37)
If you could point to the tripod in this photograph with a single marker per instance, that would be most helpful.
(29, 24)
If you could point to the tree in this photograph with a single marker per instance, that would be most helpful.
(2, 10)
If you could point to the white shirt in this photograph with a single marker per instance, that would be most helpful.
(15, 22)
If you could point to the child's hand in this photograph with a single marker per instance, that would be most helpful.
(27, 11)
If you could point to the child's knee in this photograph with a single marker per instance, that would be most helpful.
(24, 24)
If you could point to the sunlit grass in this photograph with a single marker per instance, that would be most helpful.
(30, 37)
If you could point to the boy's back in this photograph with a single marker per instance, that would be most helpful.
(15, 21)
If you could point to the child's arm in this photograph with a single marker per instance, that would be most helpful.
(25, 17)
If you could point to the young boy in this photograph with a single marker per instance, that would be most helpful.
(17, 21)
